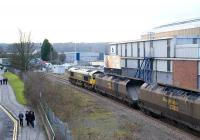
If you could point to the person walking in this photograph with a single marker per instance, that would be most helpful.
(27, 115)
(32, 118)
(21, 117)
(6, 81)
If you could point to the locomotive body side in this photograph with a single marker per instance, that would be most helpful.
(82, 77)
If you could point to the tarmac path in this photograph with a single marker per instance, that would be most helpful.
(6, 126)
(7, 98)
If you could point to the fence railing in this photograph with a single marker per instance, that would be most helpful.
(56, 128)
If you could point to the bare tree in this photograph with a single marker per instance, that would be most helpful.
(62, 58)
(22, 52)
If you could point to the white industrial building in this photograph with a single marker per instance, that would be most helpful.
(170, 53)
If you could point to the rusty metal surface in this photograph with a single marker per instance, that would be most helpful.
(121, 87)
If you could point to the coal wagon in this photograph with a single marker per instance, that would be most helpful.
(178, 104)
(122, 88)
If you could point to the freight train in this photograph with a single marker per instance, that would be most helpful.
(177, 104)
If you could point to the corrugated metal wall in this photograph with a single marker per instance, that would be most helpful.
(132, 63)
(147, 49)
(160, 48)
(162, 65)
(141, 48)
(186, 32)
(119, 49)
(172, 47)
(123, 50)
(187, 51)
(135, 49)
(181, 41)
(129, 49)
(163, 77)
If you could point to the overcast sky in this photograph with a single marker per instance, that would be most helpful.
(89, 20)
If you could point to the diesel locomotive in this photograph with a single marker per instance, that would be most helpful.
(178, 104)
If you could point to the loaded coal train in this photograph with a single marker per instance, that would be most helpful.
(178, 104)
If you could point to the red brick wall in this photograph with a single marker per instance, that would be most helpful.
(185, 73)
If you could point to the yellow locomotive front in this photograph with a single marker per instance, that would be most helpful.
(82, 77)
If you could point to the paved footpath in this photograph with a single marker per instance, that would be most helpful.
(6, 126)
(7, 98)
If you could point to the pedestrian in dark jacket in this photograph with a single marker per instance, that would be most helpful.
(6, 81)
(32, 118)
(3, 81)
(27, 115)
(21, 117)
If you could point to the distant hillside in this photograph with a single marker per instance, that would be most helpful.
(69, 47)
(81, 47)
(4, 47)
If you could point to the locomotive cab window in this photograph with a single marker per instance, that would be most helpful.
(71, 74)
(85, 78)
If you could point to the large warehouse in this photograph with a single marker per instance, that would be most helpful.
(168, 54)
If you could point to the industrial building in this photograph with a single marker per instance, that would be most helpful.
(83, 57)
(168, 54)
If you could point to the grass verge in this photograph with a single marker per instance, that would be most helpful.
(18, 87)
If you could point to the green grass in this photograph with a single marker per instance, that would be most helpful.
(18, 87)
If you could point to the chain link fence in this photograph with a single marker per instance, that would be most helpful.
(60, 129)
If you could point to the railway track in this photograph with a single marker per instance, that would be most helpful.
(173, 128)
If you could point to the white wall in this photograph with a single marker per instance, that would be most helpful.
(160, 48)
(134, 47)
(147, 48)
(123, 49)
(162, 65)
(119, 49)
(129, 49)
(187, 51)
(132, 63)
(141, 49)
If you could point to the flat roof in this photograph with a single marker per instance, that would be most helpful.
(139, 40)
(162, 38)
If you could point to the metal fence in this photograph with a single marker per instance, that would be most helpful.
(60, 128)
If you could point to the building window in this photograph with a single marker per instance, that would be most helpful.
(138, 63)
(125, 50)
(168, 65)
(138, 49)
(125, 63)
(168, 48)
(194, 41)
(117, 49)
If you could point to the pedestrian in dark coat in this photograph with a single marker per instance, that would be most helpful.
(27, 118)
(6, 81)
(21, 117)
(32, 118)
(1, 81)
